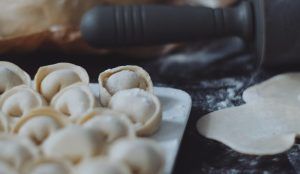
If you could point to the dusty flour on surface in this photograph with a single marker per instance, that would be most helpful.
(219, 94)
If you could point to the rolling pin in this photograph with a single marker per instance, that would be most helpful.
(270, 27)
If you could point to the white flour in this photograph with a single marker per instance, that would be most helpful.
(219, 94)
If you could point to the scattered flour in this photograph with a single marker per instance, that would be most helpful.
(220, 94)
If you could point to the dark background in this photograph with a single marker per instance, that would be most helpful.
(215, 76)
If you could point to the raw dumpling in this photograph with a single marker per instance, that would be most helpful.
(7, 169)
(48, 166)
(120, 78)
(259, 128)
(143, 109)
(49, 80)
(282, 88)
(18, 101)
(73, 143)
(74, 101)
(40, 123)
(143, 156)
(102, 166)
(113, 124)
(11, 75)
(4, 123)
(16, 151)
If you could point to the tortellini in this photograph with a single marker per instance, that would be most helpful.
(40, 123)
(48, 166)
(73, 143)
(74, 101)
(61, 126)
(16, 151)
(102, 165)
(11, 75)
(142, 107)
(4, 122)
(7, 169)
(143, 156)
(113, 124)
(120, 78)
(51, 79)
(18, 101)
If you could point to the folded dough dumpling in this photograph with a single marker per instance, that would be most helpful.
(51, 79)
(4, 123)
(120, 78)
(73, 143)
(142, 107)
(102, 166)
(283, 88)
(18, 101)
(112, 124)
(11, 75)
(143, 156)
(48, 166)
(17, 151)
(74, 101)
(7, 169)
(40, 123)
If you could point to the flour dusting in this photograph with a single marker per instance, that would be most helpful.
(220, 94)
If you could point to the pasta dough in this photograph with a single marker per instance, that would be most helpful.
(113, 124)
(74, 101)
(11, 75)
(282, 88)
(7, 169)
(102, 165)
(51, 79)
(121, 78)
(40, 124)
(73, 143)
(48, 166)
(141, 155)
(260, 128)
(58, 127)
(267, 124)
(146, 113)
(18, 101)
(4, 123)
(16, 151)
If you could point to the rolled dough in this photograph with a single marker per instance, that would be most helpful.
(267, 124)
(284, 88)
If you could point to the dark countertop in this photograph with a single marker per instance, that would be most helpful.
(212, 84)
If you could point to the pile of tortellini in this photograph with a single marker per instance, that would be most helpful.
(58, 126)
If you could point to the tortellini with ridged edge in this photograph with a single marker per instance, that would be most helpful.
(143, 109)
(73, 143)
(18, 101)
(102, 165)
(111, 123)
(120, 78)
(48, 166)
(143, 156)
(51, 79)
(17, 151)
(7, 169)
(57, 126)
(11, 75)
(40, 124)
(74, 101)
(4, 122)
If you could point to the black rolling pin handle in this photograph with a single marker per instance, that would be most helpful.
(140, 25)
